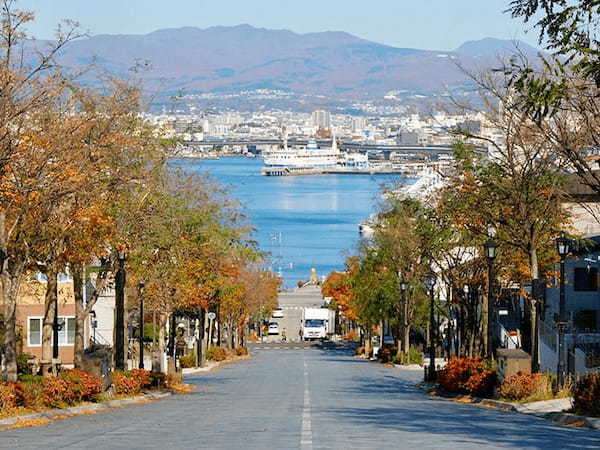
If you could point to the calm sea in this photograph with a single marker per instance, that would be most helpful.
(302, 221)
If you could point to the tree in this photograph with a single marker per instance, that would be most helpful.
(569, 28)
(29, 86)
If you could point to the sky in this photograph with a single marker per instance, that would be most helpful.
(423, 24)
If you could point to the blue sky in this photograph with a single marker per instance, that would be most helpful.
(426, 24)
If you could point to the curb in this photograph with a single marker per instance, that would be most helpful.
(560, 418)
(215, 365)
(6, 424)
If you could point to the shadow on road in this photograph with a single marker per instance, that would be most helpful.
(420, 414)
(497, 428)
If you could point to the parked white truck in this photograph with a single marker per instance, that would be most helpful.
(317, 323)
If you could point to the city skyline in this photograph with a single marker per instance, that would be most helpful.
(437, 25)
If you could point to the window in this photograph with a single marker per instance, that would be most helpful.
(586, 279)
(66, 332)
(35, 332)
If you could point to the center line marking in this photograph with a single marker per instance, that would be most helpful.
(306, 436)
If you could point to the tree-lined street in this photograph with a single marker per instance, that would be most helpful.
(260, 404)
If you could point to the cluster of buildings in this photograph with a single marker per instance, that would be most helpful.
(409, 129)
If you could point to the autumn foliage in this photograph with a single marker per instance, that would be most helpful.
(586, 395)
(525, 385)
(468, 376)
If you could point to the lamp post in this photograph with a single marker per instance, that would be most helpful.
(55, 325)
(403, 286)
(120, 314)
(562, 247)
(141, 294)
(430, 285)
(490, 246)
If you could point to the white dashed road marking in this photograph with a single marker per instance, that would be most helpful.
(306, 436)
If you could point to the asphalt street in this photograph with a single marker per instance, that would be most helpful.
(302, 398)
(292, 303)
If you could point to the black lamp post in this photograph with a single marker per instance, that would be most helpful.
(430, 285)
(56, 327)
(563, 246)
(120, 314)
(490, 246)
(141, 336)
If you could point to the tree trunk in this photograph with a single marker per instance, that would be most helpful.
(368, 342)
(49, 311)
(10, 274)
(533, 263)
(10, 291)
(80, 314)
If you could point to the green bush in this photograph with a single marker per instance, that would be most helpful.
(22, 365)
(216, 354)
(414, 356)
(187, 361)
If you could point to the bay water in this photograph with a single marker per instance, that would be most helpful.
(301, 221)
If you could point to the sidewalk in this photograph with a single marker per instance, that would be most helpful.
(552, 410)
(546, 406)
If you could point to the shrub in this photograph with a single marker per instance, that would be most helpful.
(57, 392)
(83, 385)
(144, 377)
(8, 397)
(241, 351)
(158, 379)
(23, 366)
(414, 356)
(386, 353)
(468, 376)
(525, 385)
(216, 354)
(33, 391)
(126, 383)
(482, 384)
(187, 361)
(586, 395)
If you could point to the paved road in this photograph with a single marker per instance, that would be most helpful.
(292, 303)
(312, 398)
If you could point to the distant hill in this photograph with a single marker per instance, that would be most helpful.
(492, 48)
(230, 59)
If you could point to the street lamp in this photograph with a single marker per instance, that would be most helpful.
(563, 246)
(430, 280)
(403, 287)
(141, 294)
(490, 246)
(120, 279)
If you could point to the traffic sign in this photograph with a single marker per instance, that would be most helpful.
(212, 316)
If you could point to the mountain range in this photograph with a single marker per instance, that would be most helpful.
(232, 59)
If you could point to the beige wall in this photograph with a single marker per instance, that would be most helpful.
(30, 303)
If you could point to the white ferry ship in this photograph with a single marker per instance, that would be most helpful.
(309, 156)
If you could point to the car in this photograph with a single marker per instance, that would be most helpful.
(273, 328)
(277, 313)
